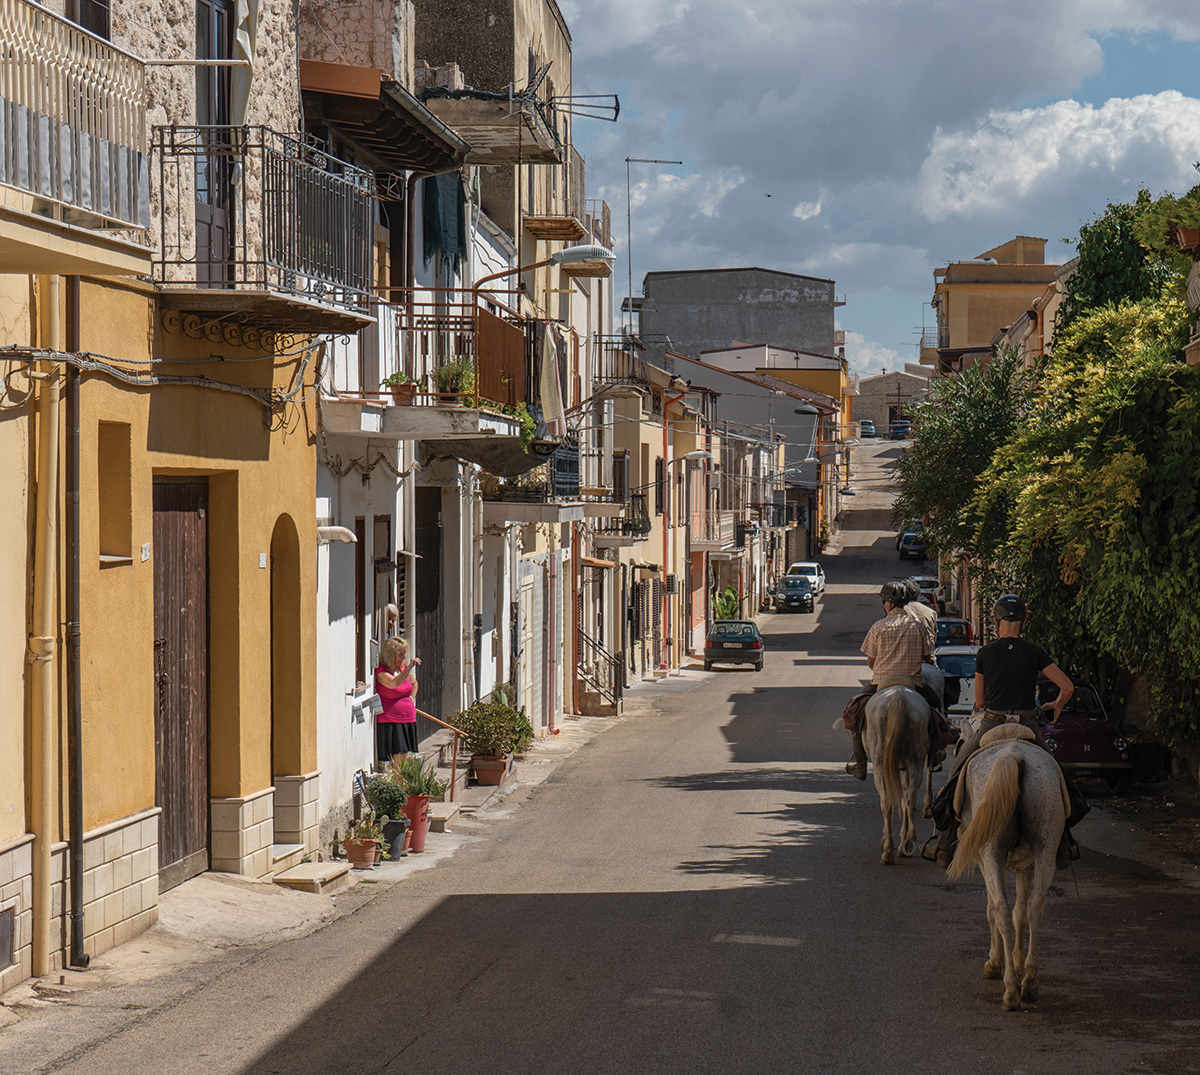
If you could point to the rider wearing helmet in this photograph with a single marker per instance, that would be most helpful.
(1006, 673)
(895, 646)
(919, 610)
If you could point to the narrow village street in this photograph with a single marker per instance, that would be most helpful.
(697, 889)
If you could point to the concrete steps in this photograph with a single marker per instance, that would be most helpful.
(285, 856)
(315, 876)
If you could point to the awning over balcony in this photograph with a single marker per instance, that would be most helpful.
(380, 117)
(499, 129)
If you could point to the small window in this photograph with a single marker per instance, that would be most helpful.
(93, 15)
(114, 485)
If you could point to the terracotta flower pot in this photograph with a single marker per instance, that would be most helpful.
(417, 812)
(404, 394)
(490, 770)
(361, 853)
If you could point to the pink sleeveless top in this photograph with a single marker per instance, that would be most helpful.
(398, 706)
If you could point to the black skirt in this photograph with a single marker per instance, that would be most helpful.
(394, 737)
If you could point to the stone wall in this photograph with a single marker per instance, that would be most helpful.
(878, 395)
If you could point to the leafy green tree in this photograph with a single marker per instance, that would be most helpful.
(959, 428)
(1114, 265)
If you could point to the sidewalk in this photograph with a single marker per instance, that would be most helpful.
(216, 921)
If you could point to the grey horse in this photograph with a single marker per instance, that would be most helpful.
(1013, 802)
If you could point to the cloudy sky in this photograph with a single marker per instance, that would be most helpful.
(869, 141)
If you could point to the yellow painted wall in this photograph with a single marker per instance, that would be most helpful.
(255, 475)
(828, 382)
(16, 520)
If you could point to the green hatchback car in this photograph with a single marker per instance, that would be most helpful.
(733, 642)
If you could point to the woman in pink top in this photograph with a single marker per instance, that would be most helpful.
(396, 685)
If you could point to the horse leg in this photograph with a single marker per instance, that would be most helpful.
(1042, 873)
(927, 811)
(1020, 916)
(1000, 917)
(908, 826)
(888, 858)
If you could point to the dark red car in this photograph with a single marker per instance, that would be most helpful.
(1085, 741)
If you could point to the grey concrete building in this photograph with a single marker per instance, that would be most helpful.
(700, 310)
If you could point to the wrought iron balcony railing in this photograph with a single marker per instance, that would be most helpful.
(252, 208)
(556, 479)
(72, 120)
(620, 361)
(635, 524)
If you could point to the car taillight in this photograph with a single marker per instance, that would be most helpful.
(756, 645)
(709, 644)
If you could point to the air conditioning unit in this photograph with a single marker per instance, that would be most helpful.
(671, 583)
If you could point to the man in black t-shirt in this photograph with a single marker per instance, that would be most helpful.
(1006, 673)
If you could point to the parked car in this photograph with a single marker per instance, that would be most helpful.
(812, 571)
(733, 642)
(794, 593)
(901, 429)
(958, 665)
(913, 546)
(866, 428)
(932, 591)
(953, 632)
(913, 526)
(1085, 741)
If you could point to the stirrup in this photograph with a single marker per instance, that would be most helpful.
(929, 853)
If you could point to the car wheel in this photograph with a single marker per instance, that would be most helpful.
(708, 666)
(758, 667)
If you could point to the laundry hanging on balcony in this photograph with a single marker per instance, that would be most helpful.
(444, 218)
(245, 45)
(551, 377)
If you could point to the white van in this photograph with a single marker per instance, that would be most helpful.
(812, 571)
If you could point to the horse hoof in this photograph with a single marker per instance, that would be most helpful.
(927, 812)
(1012, 1003)
(908, 848)
(990, 971)
(1029, 994)
(887, 859)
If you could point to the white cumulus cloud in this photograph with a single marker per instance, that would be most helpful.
(1009, 157)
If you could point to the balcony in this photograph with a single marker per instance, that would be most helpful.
(630, 530)
(620, 362)
(73, 165)
(263, 230)
(500, 128)
(568, 225)
(714, 531)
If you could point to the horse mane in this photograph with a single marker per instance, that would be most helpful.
(989, 815)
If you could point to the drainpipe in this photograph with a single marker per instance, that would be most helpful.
(41, 641)
(552, 631)
(666, 627)
(78, 958)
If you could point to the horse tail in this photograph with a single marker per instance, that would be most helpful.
(895, 721)
(990, 814)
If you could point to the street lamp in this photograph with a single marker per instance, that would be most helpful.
(566, 256)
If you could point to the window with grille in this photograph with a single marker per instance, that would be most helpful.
(93, 16)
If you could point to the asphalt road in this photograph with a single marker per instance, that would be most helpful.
(698, 889)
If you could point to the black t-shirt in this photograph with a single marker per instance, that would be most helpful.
(1010, 667)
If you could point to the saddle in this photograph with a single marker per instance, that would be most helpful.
(1007, 733)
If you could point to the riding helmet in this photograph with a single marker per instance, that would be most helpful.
(895, 592)
(1009, 607)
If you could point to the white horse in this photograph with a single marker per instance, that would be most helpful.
(1013, 802)
(896, 738)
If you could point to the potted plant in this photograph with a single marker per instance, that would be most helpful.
(493, 730)
(403, 388)
(364, 838)
(387, 799)
(420, 782)
(456, 378)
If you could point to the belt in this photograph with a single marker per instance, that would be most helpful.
(1010, 716)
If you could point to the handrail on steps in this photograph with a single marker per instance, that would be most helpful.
(454, 750)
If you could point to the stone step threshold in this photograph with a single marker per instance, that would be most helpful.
(316, 876)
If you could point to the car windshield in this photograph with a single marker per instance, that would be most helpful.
(957, 664)
(794, 582)
(952, 631)
(734, 630)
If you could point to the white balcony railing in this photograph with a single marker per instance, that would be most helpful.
(72, 119)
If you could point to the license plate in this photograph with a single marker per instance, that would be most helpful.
(732, 645)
